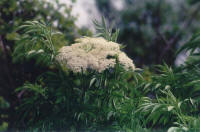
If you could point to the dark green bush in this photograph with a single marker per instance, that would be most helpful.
(114, 100)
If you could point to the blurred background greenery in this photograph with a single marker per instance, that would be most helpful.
(151, 30)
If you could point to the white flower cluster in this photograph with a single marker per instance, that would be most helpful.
(93, 53)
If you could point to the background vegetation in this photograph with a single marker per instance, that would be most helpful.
(14, 13)
(152, 30)
(36, 94)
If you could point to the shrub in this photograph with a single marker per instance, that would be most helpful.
(74, 95)
(70, 95)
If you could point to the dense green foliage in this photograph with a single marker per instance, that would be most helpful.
(77, 101)
(39, 94)
(114, 100)
(3, 105)
(13, 13)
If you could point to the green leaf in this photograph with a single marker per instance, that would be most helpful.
(169, 108)
(92, 82)
(174, 129)
(104, 31)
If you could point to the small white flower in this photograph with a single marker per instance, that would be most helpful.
(93, 53)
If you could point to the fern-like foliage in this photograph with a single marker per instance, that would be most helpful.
(165, 109)
(62, 100)
(114, 99)
(192, 46)
(172, 98)
(184, 83)
(36, 41)
(105, 32)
